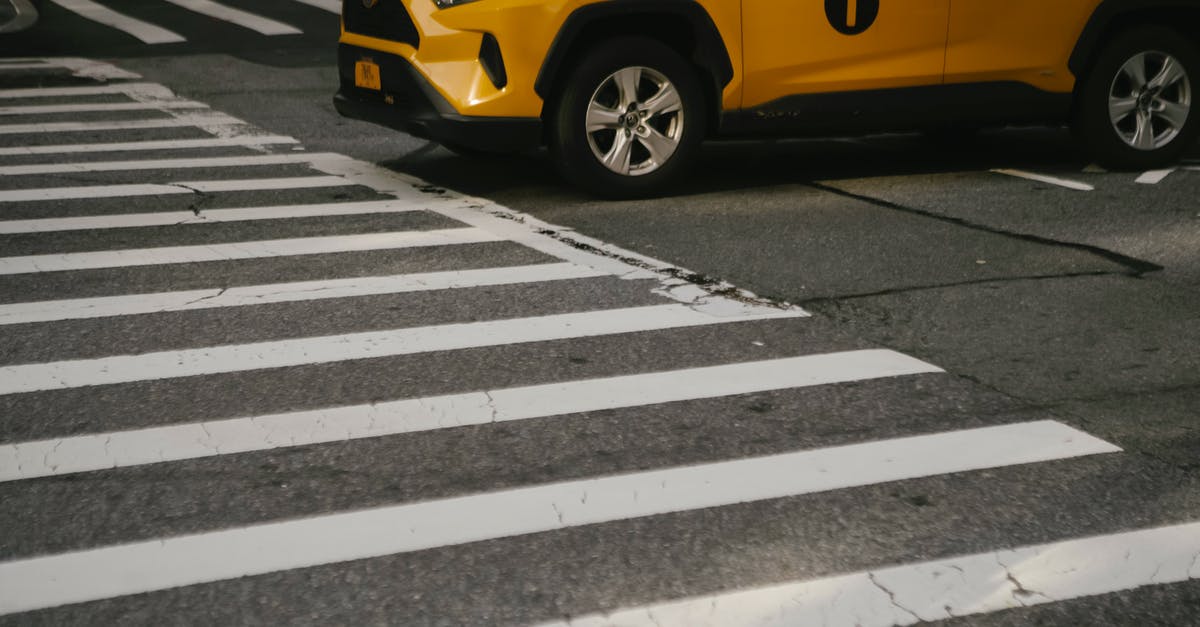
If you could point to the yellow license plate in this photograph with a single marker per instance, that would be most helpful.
(366, 75)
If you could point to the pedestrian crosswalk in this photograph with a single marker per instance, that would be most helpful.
(108, 14)
(384, 394)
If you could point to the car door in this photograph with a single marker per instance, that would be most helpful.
(800, 47)
(1026, 42)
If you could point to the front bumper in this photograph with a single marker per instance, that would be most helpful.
(409, 103)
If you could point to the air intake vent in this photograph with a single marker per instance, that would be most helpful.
(385, 19)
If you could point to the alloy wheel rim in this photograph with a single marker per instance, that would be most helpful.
(634, 121)
(1150, 100)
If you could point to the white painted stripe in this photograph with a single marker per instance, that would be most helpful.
(185, 187)
(90, 68)
(5, 64)
(163, 144)
(941, 589)
(257, 249)
(160, 564)
(1154, 177)
(367, 345)
(291, 182)
(45, 458)
(171, 218)
(134, 304)
(244, 19)
(102, 107)
(1042, 178)
(205, 119)
(333, 6)
(147, 89)
(145, 31)
(166, 164)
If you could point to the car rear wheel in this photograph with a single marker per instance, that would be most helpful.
(1136, 107)
(629, 120)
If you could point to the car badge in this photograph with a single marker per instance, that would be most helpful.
(370, 4)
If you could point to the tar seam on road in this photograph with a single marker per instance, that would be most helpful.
(1137, 267)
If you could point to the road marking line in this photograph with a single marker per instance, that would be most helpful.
(160, 564)
(209, 216)
(1154, 177)
(102, 107)
(242, 18)
(333, 6)
(164, 144)
(191, 300)
(198, 119)
(255, 249)
(354, 346)
(82, 68)
(1042, 178)
(146, 89)
(941, 589)
(185, 187)
(100, 451)
(145, 31)
(165, 164)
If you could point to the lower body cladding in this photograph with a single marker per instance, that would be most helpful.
(403, 99)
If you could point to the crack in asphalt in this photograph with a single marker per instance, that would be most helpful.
(1137, 267)
(892, 595)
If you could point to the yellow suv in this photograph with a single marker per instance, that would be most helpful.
(624, 91)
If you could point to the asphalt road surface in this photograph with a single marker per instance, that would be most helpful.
(259, 364)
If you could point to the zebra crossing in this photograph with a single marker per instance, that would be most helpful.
(112, 15)
(234, 369)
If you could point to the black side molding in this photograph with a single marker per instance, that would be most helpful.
(710, 50)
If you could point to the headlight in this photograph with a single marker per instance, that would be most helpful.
(446, 4)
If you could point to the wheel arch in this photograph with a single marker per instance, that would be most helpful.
(683, 25)
(1114, 16)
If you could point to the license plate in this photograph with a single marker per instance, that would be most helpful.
(366, 75)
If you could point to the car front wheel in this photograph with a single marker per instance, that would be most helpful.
(1135, 109)
(629, 120)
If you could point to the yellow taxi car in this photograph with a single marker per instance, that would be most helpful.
(624, 91)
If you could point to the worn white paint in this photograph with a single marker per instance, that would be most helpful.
(144, 31)
(198, 119)
(255, 249)
(239, 17)
(1042, 178)
(95, 107)
(166, 164)
(159, 564)
(1154, 177)
(91, 68)
(162, 144)
(154, 90)
(210, 216)
(319, 350)
(941, 589)
(191, 300)
(222, 437)
(184, 187)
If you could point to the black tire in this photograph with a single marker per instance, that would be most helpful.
(1109, 142)
(575, 149)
